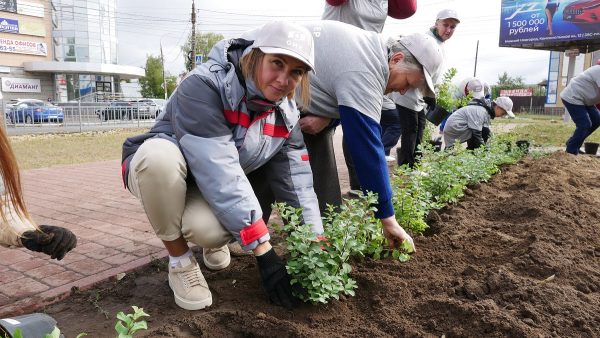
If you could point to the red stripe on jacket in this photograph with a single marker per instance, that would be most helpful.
(275, 131)
(253, 232)
(237, 117)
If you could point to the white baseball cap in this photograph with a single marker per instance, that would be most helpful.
(447, 14)
(505, 103)
(476, 88)
(280, 37)
(429, 54)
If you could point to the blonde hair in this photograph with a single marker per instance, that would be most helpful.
(13, 193)
(250, 64)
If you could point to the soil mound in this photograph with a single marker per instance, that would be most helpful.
(518, 256)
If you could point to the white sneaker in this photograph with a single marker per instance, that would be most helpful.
(390, 158)
(216, 259)
(188, 285)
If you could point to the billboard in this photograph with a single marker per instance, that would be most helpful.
(23, 47)
(550, 24)
(517, 92)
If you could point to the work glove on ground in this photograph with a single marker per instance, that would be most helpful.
(51, 240)
(275, 279)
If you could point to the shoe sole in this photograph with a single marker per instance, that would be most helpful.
(187, 305)
(217, 266)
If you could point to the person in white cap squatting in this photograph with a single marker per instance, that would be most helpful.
(472, 122)
(227, 145)
(411, 105)
(352, 92)
(369, 15)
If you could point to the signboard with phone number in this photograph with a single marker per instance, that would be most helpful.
(544, 22)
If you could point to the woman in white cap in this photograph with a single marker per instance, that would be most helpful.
(580, 97)
(17, 229)
(411, 105)
(226, 146)
(472, 122)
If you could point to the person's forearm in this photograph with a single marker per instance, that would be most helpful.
(262, 248)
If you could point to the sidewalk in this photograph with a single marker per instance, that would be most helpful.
(113, 235)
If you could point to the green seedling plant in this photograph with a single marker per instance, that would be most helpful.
(128, 324)
(321, 267)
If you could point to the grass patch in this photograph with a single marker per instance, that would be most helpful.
(47, 150)
(543, 130)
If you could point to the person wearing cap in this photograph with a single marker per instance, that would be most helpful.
(227, 145)
(411, 105)
(352, 92)
(370, 15)
(580, 98)
(472, 122)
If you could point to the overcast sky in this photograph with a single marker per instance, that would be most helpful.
(143, 24)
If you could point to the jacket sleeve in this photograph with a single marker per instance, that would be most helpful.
(402, 9)
(208, 147)
(291, 179)
(336, 2)
(362, 135)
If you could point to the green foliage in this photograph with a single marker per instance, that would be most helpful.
(204, 43)
(445, 93)
(321, 266)
(152, 83)
(507, 82)
(128, 324)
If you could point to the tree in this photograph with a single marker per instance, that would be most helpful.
(204, 43)
(152, 83)
(507, 82)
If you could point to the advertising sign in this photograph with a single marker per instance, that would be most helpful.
(32, 28)
(8, 6)
(18, 85)
(23, 47)
(9, 26)
(516, 92)
(30, 8)
(545, 24)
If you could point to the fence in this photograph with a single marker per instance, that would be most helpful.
(78, 116)
(550, 111)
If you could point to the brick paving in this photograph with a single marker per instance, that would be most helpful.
(113, 235)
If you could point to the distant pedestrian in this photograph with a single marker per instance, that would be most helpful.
(580, 98)
(17, 229)
(411, 105)
(227, 145)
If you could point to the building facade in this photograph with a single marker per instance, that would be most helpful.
(61, 50)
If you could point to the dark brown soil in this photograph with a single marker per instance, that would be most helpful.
(519, 257)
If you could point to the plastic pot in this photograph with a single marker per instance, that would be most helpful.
(523, 145)
(436, 115)
(31, 325)
(590, 148)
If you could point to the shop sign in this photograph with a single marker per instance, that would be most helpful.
(9, 26)
(23, 47)
(8, 6)
(19, 85)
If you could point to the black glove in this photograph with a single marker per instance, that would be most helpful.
(51, 240)
(275, 279)
(476, 140)
(430, 102)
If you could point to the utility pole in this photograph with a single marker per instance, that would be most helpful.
(193, 51)
(162, 60)
(476, 52)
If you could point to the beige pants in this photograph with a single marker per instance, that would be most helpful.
(157, 177)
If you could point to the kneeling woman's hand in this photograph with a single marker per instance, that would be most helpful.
(275, 279)
(51, 240)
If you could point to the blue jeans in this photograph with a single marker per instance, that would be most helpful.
(587, 120)
(390, 129)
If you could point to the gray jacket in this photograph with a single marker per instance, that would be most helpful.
(222, 141)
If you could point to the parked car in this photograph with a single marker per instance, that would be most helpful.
(582, 11)
(34, 111)
(145, 108)
(116, 110)
(156, 106)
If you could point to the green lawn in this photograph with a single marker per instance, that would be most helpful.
(47, 150)
(542, 130)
